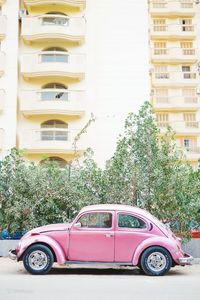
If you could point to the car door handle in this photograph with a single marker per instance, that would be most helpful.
(109, 235)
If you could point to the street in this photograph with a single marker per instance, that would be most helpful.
(85, 284)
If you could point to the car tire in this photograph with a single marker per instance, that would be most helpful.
(38, 259)
(156, 261)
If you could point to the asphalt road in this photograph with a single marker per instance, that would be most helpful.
(86, 284)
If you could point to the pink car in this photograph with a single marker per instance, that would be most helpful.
(103, 234)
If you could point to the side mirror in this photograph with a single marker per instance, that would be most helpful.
(78, 225)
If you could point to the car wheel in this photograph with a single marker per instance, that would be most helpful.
(38, 259)
(156, 261)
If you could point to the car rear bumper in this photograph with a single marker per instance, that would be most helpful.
(12, 254)
(186, 259)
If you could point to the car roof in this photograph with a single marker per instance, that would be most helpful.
(116, 207)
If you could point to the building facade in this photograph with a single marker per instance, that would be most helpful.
(60, 61)
(174, 39)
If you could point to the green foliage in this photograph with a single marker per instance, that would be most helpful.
(145, 170)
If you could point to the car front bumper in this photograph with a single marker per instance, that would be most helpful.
(12, 254)
(186, 259)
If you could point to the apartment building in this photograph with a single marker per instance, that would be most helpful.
(60, 61)
(174, 39)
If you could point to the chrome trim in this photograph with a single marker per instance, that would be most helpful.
(186, 259)
(12, 254)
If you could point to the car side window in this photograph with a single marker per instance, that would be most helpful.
(129, 221)
(96, 220)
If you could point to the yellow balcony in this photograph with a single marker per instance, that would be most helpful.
(80, 4)
(1, 138)
(181, 128)
(173, 55)
(2, 63)
(51, 64)
(175, 103)
(53, 27)
(49, 140)
(2, 94)
(173, 32)
(2, 27)
(52, 102)
(173, 79)
(2, 2)
(172, 8)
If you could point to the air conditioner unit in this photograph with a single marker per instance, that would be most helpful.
(198, 90)
(22, 13)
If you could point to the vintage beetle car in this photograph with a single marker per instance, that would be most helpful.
(103, 234)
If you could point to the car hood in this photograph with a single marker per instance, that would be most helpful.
(51, 227)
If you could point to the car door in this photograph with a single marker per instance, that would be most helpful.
(93, 240)
(130, 231)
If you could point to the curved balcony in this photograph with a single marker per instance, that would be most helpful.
(181, 128)
(53, 27)
(49, 140)
(52, 102)
(173, 32)
(2, 63)
(79, 4)
(175, 103)
(171, 8)
(173, 79)
(2, 95)
(53, 64)
(2, 27)
(174, 55)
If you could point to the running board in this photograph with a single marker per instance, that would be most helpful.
(96, 263)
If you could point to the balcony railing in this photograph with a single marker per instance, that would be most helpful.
(173, 31)
(174, 78)
(181, 127)
(53, 64)
(175, 7)
(52, 101)
(49, 140)
(174, 54)
(80, 4)
(2, 27)
(53, 27)
(2, 94)
(2, 63)
(177, 103)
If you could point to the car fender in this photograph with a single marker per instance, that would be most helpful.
(44, 239)
(164, 242)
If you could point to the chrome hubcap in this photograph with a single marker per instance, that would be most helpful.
(156, 261)
(37, 260)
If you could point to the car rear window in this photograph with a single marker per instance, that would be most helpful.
(129, 221)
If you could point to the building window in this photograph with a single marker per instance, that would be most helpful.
(187, 74)
(55, 18)
(159, 25)
(187, 3)
(161, 72)
(161, 95)
(54, 92)
(189, 95)
(55, 54)
(190, 120)
(187, 48)
(160, 48)
(190, 144)
(186, 25)
(54, 130)
(162, 119)
(159, 3)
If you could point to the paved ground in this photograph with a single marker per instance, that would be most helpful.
(86, 284)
